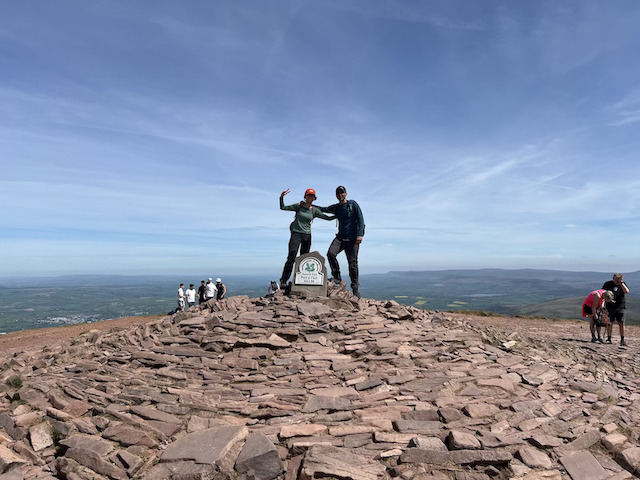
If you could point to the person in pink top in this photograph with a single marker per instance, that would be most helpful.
(592, 307)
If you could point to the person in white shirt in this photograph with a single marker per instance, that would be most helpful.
(181, 297)
(211, 290)
(191, 296)
(273, 288)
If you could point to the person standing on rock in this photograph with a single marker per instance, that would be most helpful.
(592, 307)
(210, 289)
(221, 288)
(181, 298)
(616, 310)
(349, 237)
(300, 229)
(202, 293)
(191, 296)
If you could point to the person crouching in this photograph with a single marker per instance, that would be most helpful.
(592, 307)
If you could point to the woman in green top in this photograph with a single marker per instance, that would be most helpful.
(300, 229)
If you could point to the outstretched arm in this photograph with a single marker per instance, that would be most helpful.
(329, 209)
(318, 213)
(282, 205)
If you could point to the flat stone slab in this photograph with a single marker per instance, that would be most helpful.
(206, 447)
(337, 392)
(583, 442)
(461, 457)
(333, 462)
(14, 474)
(319, 402)
(260, 456)
(305, 430)
(479, 410)
(543, 475)
(583, 466)
(181, 470)
(462, 441)
(545, 441)
(534, 458)
(127, 435)
(41, 436)
(150, 413)
(9, 459)
(425, 428)
(313, 309)
(429, 443)
(87, 442)
(631, 457)
(96, 463)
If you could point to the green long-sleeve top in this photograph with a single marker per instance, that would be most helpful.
(304, 216)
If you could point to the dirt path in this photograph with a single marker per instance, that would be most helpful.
(549, 328)
(30, 340)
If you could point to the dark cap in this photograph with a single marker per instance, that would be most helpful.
(341, 189)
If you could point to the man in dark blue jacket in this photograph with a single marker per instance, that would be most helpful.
(348, 238)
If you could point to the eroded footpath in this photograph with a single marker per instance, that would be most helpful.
(343, 388)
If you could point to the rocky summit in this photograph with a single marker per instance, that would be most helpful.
(337, 387)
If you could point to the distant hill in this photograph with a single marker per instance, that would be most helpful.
(547, 293)
(47, 301)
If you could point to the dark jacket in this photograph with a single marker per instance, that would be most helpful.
(350, 219)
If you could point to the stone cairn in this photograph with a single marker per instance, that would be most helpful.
(293, 388)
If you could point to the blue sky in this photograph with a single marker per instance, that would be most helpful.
(156, 136)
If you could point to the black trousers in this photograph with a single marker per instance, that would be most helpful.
(297, 240)
(351, 249)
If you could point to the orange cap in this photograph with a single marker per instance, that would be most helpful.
(310, 191)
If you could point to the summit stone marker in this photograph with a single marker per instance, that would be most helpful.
(310, 275)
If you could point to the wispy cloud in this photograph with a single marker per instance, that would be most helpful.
(471, 134)
(627, 110)
(406, 11)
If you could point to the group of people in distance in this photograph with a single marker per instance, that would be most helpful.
(605, 306)
(207, 291)
(349, 236)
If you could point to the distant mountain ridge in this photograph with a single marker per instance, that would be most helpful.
(46, 301)
(547, 293)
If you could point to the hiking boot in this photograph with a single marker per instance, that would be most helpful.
(609, 340)
(335, 280)
(356, 292)
(593, 340)
(623, 343)
(600, 340)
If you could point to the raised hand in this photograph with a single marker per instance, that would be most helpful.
(284, 192)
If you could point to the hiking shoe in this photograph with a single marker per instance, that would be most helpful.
(623, 343)
(609, 340)
(593, 340)
(600, 340)
(335, 280)
(356, 292)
